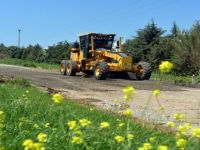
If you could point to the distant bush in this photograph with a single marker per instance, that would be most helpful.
(29, 64)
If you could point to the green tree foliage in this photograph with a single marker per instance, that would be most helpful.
(15, 52)
(175, 31)
(53, 54)
(187, 51)
(35, 53)
(147, 45)
(31, 52)
(58, 52)
(3, 51)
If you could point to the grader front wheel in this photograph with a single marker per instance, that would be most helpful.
(101, 70)
(144, 71)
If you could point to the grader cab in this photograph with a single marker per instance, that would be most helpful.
(93, 55)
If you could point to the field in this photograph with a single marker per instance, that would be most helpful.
(32, 119)
(29, 112)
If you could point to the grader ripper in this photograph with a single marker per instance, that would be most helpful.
(93, 55)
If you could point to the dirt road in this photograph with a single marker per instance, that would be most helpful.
(102, 93)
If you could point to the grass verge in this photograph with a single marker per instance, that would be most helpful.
(28, 63)
(177, 79)
(28, 112)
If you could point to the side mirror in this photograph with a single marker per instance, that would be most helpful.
(117, 45)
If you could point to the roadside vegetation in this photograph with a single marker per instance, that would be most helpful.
(187, 80)
(181, 47)
(34, 120)
(30, 118)
(28, 63)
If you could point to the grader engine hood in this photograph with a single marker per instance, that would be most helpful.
(126, 63)
(117, 61)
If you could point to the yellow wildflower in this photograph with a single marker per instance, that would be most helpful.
(162, 107)
(178, 135)
(104, 125)
(47, 125)
(181, 143)
(182, 130)
(85, 122)
(128, 113)
(36, 126)
(162, 147)
(38, 146)
(72, 125)
(1, 116)
(77, 140)
(28, 144)
(188, 126)
(152, 139)
(2, 148)
(78, 132)
(147, 146)
(27, 91)
(42, 137)
(119, 139)
(156, 92)
(170, 124)
(116, 101)
(58, 98)
(196, 132)
(129, 90)
(130, 136)
(165, 66)
(121, 124)
(179, 116)
(118, 120)
(128, 94)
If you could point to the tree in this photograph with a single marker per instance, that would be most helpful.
(15, 52)
(145, 45)
(3, 51)
(175, 31)
(187, 51)
(58, 52)
(35, 53)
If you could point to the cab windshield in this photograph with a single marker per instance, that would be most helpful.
(103, 42)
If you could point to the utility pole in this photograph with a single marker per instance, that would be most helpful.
(19, 38)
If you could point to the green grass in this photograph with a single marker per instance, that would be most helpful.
(24, 110)
(177, 79)
(28, 63)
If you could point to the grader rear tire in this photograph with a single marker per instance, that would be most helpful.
(145, 71)
(101, 70)
(71, 68)
(63, 67)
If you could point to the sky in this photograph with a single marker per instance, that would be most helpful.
(48, 22)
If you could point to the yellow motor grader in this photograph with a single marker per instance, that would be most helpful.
(93, 54)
